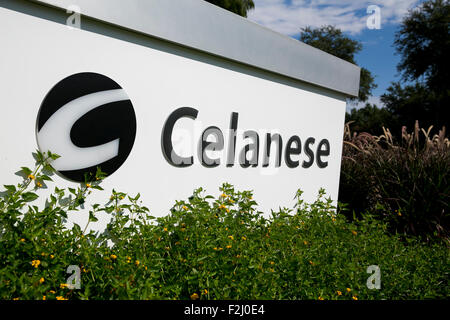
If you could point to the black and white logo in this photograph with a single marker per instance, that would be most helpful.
(89, 121)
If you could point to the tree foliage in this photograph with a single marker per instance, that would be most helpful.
(370, 119)
(331, 40)
(413, 102)
(423, 42)
(240, 7)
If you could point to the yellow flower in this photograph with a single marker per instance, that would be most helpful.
(60, 298)
(348, 289)
(35, 263)
(185, 208)
(165, 229)
(52, 291)
(22, 240)
(113, 256)
(305, 242)
(88, 185)
(228, 210)
(354, 232)
(194, 296)
(205, 291)
(215, 248)
(223, 195)
(272, 263)
(244, 238)
(231, 237)
(320, 298)
(399, 214)
(52, 256)
(339, 293)
(31, 177)
(41, 280)
(137, 262)
(44, 298)
(354, 298)
(222, 206)
(228, 247)
(38, 184)
(15, 298)
(311, 263)
(63, 285)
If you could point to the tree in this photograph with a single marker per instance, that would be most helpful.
(423, 41)
(331, 40)
(370, 119)
(240, 7)
(410, 103)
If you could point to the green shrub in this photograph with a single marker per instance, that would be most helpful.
(206, 248)
(406, 184)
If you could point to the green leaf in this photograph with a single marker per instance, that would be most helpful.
(92, 218)
(29, 196)
(10, 188)
(202, 258)
(52, 155)
(26, 171)
(109, 209)
(63, 214)
(45, 178)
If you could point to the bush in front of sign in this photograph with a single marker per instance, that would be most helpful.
(405, 183)
(206, 248)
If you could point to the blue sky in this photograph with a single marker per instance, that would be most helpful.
(378, 54)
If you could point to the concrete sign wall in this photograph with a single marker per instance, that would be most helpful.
(162, 118)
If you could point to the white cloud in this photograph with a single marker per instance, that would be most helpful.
(358, 105)
(287, 17)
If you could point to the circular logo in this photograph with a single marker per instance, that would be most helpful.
(89, 121)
